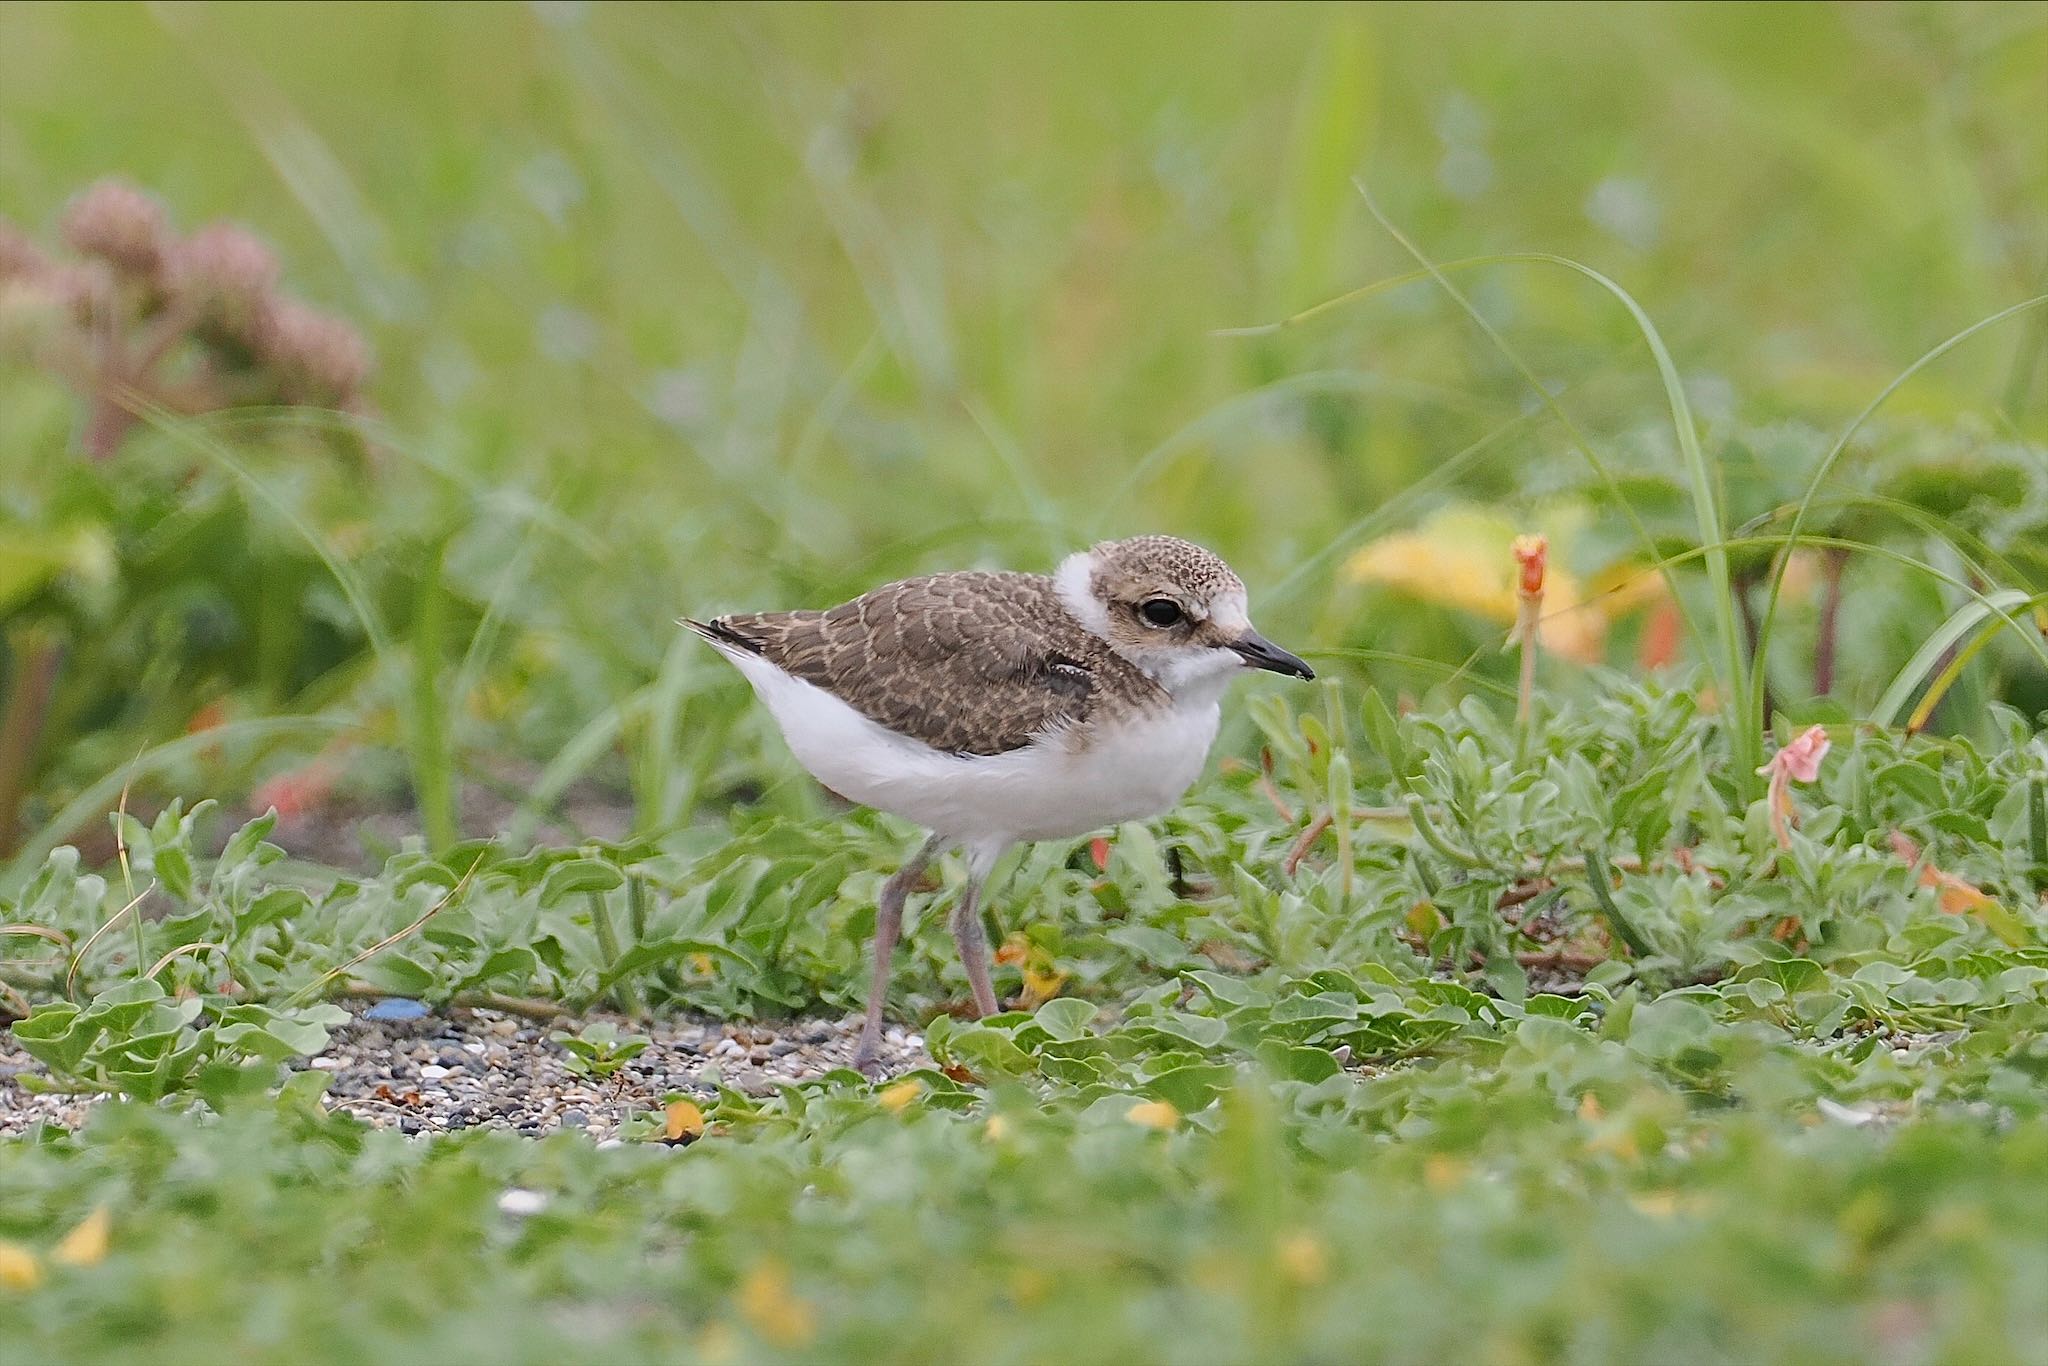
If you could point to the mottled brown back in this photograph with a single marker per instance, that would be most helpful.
(969, 663)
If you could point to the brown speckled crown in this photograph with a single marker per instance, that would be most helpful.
(969, 663)
(1128, 570)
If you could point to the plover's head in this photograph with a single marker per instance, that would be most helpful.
(1172, 608)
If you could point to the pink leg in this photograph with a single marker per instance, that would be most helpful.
(888, 928)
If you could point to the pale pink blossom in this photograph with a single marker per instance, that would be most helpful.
(1798, 762)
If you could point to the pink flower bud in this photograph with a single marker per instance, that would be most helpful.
(1800, 760)
(119, 224)
(19, 259)
(320, 359)
(229, 272)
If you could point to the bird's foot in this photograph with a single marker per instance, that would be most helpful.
(866, 1053)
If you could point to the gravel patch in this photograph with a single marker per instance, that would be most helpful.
(473, 1067)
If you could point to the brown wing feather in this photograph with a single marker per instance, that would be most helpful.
(970, 663)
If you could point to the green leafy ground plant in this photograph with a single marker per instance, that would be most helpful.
(1299, 1097)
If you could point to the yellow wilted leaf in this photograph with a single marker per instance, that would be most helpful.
(997, 1129)
(85, 1245)
(771, 1308)
(1440, 1172)
(18, 1268)
(1424, 920)
(1957, 896)
(894, 1098)
(1303, 1258)
(1454, 560)
(681, 1121)
(1153, 1114)
(1040, 986)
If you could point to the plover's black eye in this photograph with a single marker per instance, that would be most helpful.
(1160, 612)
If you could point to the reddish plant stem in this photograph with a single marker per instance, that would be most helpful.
(1292, 865)
(32, 683)
(1837, 559)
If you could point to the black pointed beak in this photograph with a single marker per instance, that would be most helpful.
(1261, 653)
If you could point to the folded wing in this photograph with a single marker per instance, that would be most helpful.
(969, 663)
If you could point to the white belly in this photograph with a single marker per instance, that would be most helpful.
(1062, 787)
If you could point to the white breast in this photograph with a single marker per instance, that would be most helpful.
(1063, 786)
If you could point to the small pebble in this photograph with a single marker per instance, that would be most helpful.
(470, 1070)
(520, 1202)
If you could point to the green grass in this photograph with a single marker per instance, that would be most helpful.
(686, 309)
(680, 310)
(1801, 1118)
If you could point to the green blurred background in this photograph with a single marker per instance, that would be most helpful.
(684, 308)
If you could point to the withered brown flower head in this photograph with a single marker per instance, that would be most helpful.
(227, 273)
(86, 289)
(19, 257)
(322, 358)
(119, 224)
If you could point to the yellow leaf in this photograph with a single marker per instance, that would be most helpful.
(997, 1129)
(894, 1098)
(1153, 1114)
(1441, 1172)
(1424, 920)
(782, 1318)
(681, 1121)
(85, 1245)
(1303, 1258)
(1657, 1204)
(1454, 560)
(1040, 986)
(18, 1268)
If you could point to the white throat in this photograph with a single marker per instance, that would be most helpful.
(1191, 676)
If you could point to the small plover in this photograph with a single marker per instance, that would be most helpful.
(991, 708)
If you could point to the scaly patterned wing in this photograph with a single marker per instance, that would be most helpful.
(969, 663)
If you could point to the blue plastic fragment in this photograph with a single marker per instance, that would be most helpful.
(396, 1008)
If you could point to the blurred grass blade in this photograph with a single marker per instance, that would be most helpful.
(1747, 743)
(430, 752)
(98, 797)
(1928, 658)
(1333, 128)
(1768, 617)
